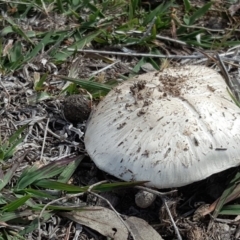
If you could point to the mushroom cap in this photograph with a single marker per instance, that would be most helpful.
(170, 128)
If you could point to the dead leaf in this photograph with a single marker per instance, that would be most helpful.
(107, 223)
(102, 220)
(233, 9)
(7, 48)
(201, 212)
(142, 230)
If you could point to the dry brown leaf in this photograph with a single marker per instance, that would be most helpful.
(102, 220)
(142, 230)
(233, 9)
(107, 223)
(7, 48)
(201, 211)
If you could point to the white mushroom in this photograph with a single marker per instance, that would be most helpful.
(170, 128)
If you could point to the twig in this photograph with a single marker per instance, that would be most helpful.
(206, 29)
(137, 54)
(6, 91)
(77, 195)
(200, 55)
(230, 84)
(203, 28)
(224, 72)
(51, 202)
(160, 37)
(149, 29)
(110, 205)
(171, 218)
(162, 196)
(68, 231)
(159, 194)
(44, 141)
(103, 69)
(235, 47)
(223, 55)
(94, 235)
(54, 134)
(171, 40)
(78, 231)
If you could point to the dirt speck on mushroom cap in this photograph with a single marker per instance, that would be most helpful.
(170, 128)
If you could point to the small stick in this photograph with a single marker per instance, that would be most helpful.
(137, 54)
(103, 69)
(149, 29)
(110, 205)
(163, 198)
(49, 203)
(44, 141)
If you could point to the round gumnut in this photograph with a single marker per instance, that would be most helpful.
(144, 199)
(76, 108)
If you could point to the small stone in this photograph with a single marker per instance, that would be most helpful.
(144, 199)
(76, 108)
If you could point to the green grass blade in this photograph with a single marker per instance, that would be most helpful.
(60, 6)
(2, 200)
(199, 13)
(9, 153)
(10, 173)
(38, 97)
(234, 98)
(14, 205)
(69, 170)
(18, 30)
(158, 11)
(28, 170)
(7, 177)
(187, 5)
(28, 8)
(87, 84)
(64, 54)
(38, 86)
(62, 36)
(138, 66)
(117, 185)
(230, 210)
(37, 193)
(71, 188)
(228, 191)
(34, 224)
(48, 171)
(1, 54)
(13, 142)
(133, 7)
(7, 216)
(6, 30)
(51, 184)
(16, 135)
(33, 177)
(46, 40)
(62, 208)
(15, 55)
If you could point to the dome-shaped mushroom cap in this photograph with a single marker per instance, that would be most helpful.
(170, 128)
